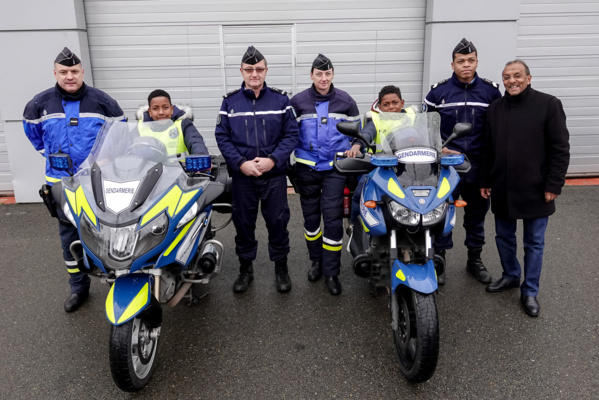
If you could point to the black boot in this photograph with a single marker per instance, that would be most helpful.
(246, 276)
(440, 266)
(476, 267)
(315, 271)
(282, 275)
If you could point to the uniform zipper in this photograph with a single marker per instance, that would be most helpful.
(247, 134)
(256, 131)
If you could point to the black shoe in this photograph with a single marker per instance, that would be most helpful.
(333, 284)
(74, 301)
(283, 283)
(530, 305)
(440, 266)
(475, 265)
(315, 272)
(242, 283)
(502, 284)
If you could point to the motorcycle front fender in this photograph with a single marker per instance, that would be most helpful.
(128, 296)
(418, 277)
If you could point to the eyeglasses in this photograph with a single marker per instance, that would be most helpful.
(251, 70)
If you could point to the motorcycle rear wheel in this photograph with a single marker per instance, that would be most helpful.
(416, 339)
(132, 354)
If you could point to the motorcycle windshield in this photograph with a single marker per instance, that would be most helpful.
(125, 157)
(415, 139)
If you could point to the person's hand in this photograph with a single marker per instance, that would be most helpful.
(250, 168)
(449, 151)
(485, 192)
(264, 164)
(354, 151)
(550, 197)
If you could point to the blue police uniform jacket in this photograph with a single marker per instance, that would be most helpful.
(249, 127)
(58, 121)
(318, 116)
(457, 102)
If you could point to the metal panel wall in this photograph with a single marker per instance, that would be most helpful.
(192, 48)
(559, 40)
(5, 175)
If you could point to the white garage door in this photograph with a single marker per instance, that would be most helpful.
(559, 40)
(192, 49)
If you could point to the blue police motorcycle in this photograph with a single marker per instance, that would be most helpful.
(145, 227)
(404, 202)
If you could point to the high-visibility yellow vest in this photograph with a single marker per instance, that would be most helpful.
(384, 127)
(171, 136)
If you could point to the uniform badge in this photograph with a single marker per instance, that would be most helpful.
(293, 111)
(443, 101)
(173, 133)
(323, 120)
(424, 107)
(218, 119)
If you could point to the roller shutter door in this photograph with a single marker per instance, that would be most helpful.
(559, 40)
(6, 186)
(192, 49)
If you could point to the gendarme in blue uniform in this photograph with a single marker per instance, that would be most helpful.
(457, 101)
(58, 121)
(250, 127)
(321, 187)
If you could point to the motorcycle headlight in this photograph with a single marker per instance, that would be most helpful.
(188, 215)
(151, 235)
(403, 215)
(67, 212)
(434, 216)
(122, 242)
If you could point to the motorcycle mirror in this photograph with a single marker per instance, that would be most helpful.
(351, 129)
(462, 129)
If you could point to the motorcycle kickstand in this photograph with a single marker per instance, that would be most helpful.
(193, 298)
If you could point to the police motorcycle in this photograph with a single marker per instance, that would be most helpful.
(405, 201)
(145, 227)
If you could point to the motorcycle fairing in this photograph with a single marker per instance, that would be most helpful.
(449, 220)
(128, 296)
(421, 278)
(372, 218)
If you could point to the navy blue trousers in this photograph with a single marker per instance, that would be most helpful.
(79, 281)
(321, 197)
(474, 217)
(271, 195)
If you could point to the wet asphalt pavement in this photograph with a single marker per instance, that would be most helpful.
(308, 344)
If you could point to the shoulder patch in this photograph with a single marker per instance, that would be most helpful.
(231, 92)
(490, 82)
(277, 90)
(439, 83)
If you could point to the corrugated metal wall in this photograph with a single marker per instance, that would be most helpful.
(5, 175)
(559, 40)
(189, 48)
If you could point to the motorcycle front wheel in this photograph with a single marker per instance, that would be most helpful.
(416, 338)
(132, 354)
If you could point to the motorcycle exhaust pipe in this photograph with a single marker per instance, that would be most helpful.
(209, 259)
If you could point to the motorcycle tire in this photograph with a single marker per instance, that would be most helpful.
(416, 339)
(132, 354)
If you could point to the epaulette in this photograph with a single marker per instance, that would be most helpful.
(439, 83)
(277, 90)
(490, 82)
(231, 92)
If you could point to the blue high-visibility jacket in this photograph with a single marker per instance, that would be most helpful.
(457, 102)
(318, 116)
(56, 121)
(249, 127)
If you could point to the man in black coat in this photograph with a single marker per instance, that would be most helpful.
(527, 157)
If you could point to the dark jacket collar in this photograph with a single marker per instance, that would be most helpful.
(321, 98)
(520, 96)
(460, 84)
(77, 96)
(249, 93)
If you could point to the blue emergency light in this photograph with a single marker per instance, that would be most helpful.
(383, 160)
(452, 159)
(60, 161)
(198, 163)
